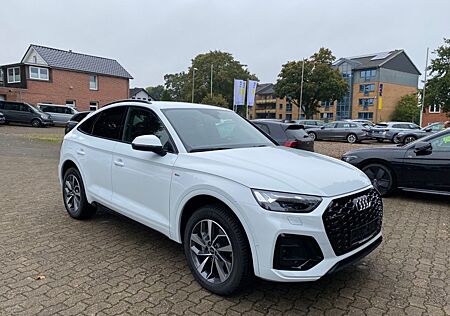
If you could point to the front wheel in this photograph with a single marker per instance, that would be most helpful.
(351, 138)
(36, 123)
(381, 177)
(409, 139)
(395, 139)
(217, 250)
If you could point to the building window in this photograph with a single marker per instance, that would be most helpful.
(71, 103)
(281, 106)
(1, 75)
(436, 108)
(280, 116)
(365, 115)
(93, 106)
(14, 75)
(289, 117)
(38, 73)
(288, 107)
(366, 102)
(366, 88)
(93, 82)
(368, 75)
(326, 115)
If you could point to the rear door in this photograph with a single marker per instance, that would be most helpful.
(429, 170)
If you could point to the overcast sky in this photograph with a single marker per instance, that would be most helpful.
(153, 38)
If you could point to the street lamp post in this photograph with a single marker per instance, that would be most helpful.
(423, 91)
(193, 83)
(301, 90)
(212, 65)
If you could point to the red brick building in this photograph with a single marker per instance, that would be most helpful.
(50, 75)
(432, 114)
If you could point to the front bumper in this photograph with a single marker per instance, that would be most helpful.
(47, 122)
(269, 225)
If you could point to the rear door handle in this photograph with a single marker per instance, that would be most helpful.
(119, 163)
(81, 152)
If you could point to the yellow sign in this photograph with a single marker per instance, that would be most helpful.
(380, 103)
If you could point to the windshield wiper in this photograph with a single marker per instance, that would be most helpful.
(196, 150)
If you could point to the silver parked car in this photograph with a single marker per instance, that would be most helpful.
(60, 113)
(389, 130)
(352, 132)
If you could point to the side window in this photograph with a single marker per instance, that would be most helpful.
(2, 105)
(276, 131)
(263, 128)
(141, 121)
(441, 143)
(11, 106)
(24, 108)
(109, 123)
(87, 125)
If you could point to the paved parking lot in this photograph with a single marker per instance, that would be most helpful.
(51, 264)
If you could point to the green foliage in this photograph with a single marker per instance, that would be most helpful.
(225, 70)
(320, 81)
(438, 87)
(216, 99)
(407, 109)
(155, 92)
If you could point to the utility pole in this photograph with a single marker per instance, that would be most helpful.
(193, 83)
(423, 91)
(212, 65)
(301, 90)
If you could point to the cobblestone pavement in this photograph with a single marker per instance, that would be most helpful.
(52, 264)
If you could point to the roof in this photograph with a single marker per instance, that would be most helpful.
(134, 91)
(381, 59)
(166, 104)
(265, 88)
(69, 60)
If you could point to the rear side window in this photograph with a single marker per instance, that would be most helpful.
(277, 132)
(109, 123)
(87, 125)
(263, 127)
(12, 106)
(79, 116)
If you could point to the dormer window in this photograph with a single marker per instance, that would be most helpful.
(14, 75)
(38, 73)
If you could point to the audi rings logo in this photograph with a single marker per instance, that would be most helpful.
(362, 203)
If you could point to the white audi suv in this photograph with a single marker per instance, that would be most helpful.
(209, 179)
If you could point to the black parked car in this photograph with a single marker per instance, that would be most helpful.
(20, 112)
(74, 120)
(409, 136)
(2, 118)
(286, 134)
(422, 166)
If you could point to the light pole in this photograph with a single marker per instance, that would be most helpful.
(423, 91)
(212, 65)
(193, 83)
(301, 90)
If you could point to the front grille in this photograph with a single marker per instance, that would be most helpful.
(351, 220)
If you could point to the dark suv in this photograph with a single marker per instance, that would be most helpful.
(20, 112)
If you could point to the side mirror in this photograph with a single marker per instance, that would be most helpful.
(428, 129)
(422, 147)
(148, 143)
(322, 127)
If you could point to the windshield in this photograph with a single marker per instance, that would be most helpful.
(211, 129)
(35, 109)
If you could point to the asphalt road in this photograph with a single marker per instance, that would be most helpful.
(109, 265)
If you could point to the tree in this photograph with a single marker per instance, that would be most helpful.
(216, 99)
(438, 87)
(225, 70)
(156, 91)
(407, 109)
(320, 82)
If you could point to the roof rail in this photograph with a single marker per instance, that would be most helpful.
(128, 100)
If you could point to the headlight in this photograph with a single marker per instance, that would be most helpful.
(349, 158)
(43, 116)
(286, 202)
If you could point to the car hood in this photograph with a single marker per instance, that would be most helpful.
(278, 169)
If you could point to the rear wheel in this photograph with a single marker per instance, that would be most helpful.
(35, 123)
(217, 250)
(351, 138)
(75, 197)
(312, 135)
(409, 139)
(381, 177)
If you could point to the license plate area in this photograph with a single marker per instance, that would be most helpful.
(362, 233)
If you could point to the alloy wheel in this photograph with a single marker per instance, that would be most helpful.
(351, 138)
(409, 139)
(72, 193)
(380, 177)
(312, 135)
(211, 251)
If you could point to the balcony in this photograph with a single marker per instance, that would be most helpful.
(273, 100)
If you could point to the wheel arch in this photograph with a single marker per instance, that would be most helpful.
(194, 201)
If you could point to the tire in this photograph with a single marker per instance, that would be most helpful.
(35, 123)
(395, 139)
(352, 138)
(74, 196)
(231, 270)
(409, 139)
(381, 177)
(312, 135)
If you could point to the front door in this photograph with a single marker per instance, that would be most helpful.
(141, 179)
(429, 170)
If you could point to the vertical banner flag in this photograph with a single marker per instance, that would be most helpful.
(380, 96)
(239, 92)
(251, 91)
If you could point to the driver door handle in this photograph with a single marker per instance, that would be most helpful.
(119, 163)
(81, 152)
